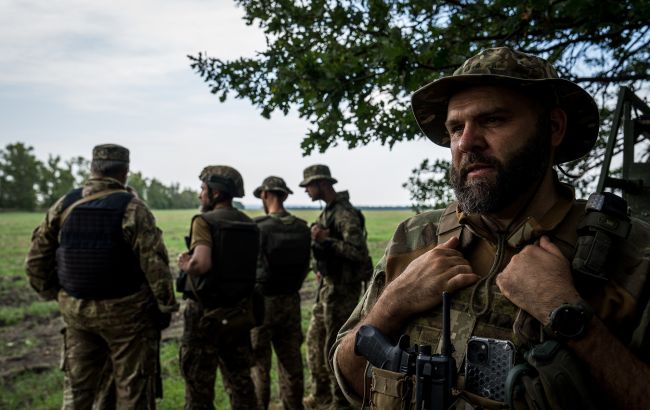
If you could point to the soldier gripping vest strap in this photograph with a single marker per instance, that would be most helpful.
(100, 254)
(282, 266)
(341, 255)
(505, 251)
(219, 271)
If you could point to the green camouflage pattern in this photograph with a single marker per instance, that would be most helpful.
(532, 75)
(281, 329)
(272, 183)
(622, 304)
(316, 172)
(224, 171)
(125, 325)
(346, 250)
(206, 347)
(110, 152)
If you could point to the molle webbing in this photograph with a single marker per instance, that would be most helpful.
(93, 259)
(287, 252)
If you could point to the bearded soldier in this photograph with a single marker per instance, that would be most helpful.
(217, 279)
(563, 283)
(282, 266)
(341, 254)
(99, 253)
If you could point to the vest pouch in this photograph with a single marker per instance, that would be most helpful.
(391, 390)
(229, 321)
(554, 379)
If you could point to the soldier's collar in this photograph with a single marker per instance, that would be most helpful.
(530, 228)
(97, 184)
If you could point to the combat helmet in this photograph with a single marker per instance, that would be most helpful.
(225, 178)
(315, 172)
(531, 75)
(272, 183)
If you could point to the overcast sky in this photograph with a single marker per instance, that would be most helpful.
(76, 73)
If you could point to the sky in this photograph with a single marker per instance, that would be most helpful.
(77, 73)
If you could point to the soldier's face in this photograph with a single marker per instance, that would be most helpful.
(500, 148)
(205, 200)
(313, 190)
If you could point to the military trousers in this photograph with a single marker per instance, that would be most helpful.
(110, 354)
(335, 304)
(210, 343)
(281, 330)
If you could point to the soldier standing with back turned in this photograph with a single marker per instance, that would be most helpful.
(282, 266)
(341, 253)
(100, 254)
(217, 277)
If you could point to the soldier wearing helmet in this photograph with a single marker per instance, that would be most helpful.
(505, 251)
(217, 279)
(282, 266)
(100, 255)
(341, 254)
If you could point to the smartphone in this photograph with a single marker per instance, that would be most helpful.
(487, 364)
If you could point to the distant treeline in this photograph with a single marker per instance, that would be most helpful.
(27, 183)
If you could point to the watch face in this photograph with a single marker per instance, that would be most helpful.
(569, 321)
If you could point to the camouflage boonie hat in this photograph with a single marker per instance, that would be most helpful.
(224, 177)
(506, 67)
(272, 184)
(315, 172)
(110, 152)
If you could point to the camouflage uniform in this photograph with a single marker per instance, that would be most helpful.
(282, 318)
(217, 337)
(122, 330)
(340, 259)
(622, 303)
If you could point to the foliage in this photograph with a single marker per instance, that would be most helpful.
(349, 66)
(27, 183)
(428, 185)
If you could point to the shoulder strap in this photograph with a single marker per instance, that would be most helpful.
(89, 198)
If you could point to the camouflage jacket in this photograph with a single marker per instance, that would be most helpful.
(622, 304)
(341, 256)
(140, 230)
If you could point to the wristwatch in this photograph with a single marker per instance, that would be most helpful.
(569, 322)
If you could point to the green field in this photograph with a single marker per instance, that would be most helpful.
(28, 326)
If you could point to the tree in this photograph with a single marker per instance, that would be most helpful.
(19, 177)
(55, 180)
(349, 66)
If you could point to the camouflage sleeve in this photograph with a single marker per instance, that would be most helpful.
(140, 229)
(40, 263)
(353, 245)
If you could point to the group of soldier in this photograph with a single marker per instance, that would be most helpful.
(100, 255)
(566, 284)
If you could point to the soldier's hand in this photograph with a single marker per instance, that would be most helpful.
(319, 276)
(419, 288)
(319, 234)
(538, 279)
(183, 260)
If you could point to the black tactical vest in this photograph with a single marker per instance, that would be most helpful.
(93, 260)
(235, 244)
(286, 250)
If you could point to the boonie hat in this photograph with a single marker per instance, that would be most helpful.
(223, 177)
(315, 172)
(272, 183)
(110, 152)
(505, 67)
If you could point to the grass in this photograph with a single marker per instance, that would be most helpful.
(43, 390)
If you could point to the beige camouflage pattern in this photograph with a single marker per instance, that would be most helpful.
(345, 249)
(207, 345)
(316, 172)
(110, 152)
(227, 172)
(282, 330)
(118, 329)
(272, 183)
(622, 304)
(534, 76)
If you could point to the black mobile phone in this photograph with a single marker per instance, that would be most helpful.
(487, 364)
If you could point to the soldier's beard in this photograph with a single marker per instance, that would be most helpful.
(523, 170)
